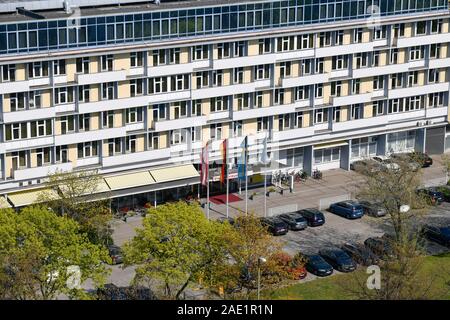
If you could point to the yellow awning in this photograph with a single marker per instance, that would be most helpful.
(24, 198)
(330, 145)
(130, 180)
(101, 187)
(4, 203)
(174, 173)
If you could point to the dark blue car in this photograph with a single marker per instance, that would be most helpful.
(440, 235)
(318, 266)
(347, 209)
(338, 259)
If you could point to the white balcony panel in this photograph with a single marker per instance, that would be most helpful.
(68, 107)
(125, 159)
(180, 123)
(377, 71)
(42, 172)
(101, 77)
(60, 79)
(437, 112)
(13, 87)
(413, 91)
(340, 73)
(423, 40)
(88, 161)
(305, 80)
(417, 64)
(219, 64)
(229, 90)
(296, 54)
(303, 103)
(182, 147)
(293, 134)
(321, 126)
(359, 124)
(43, 81)
(169, 96)
(116, 104)
(28, 115)
(25, 144)
(352, 99)
(439, 63)
(380, 43)
(136, 71)
(263, 112)
(87, 136)
(134, 126)
(344, 49)
(405, 116)
(219, 115)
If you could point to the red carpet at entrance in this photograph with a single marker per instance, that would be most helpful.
(222, 199)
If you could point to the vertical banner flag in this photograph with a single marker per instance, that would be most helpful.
(204, 165)
(264, 157)
(242, 161)
(223, 150)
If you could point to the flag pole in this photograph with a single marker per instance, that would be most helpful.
(228, 181)
(246, 176)
(207, 180)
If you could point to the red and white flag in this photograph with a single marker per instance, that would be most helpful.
(204, 165)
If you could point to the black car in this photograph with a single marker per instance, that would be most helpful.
(116, 254)
(315, 264)
(294, 220)
(314, 217)
(373, 209)
(338, 259)
(275, 226)
(380, 246)
(440, 235)
(360, 254)
(434, 196)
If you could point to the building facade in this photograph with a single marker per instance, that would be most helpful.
(136, 90)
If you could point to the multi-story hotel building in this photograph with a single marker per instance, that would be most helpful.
(134, 89)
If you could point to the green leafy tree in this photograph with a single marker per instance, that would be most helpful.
(77, 197)
(176, 246)
(37, 251)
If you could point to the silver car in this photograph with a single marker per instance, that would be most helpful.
(295, 221)
(373, 209)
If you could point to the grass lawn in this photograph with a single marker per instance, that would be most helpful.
(330, 288)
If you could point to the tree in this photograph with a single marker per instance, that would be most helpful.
(246, 244)
(41, 252)
(393, 185)
(77, 197)
(176, 246)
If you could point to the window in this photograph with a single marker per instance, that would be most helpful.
(356, 112)
(378, 108)
(174, 56)
(108, 91)
(320, 116)
(16, 131)
(263, 124)
(108, 119)
(180, 109)
(114, 146)
(243, 101)
(19, 159)
(84, 121)
(157, 85)
(17, 101)
(278, 97)
(202, 79)
(219, 104)
(393, 56)
(436, 26)
(84, 93)
(285, 44)
(258, 99)
(299, 119)
(217, 77)
(63, 95)
(133, 115)
(41, 128)
(336, 88)
(285, 69)
(223, 50)
(356, 86)
(413, 78)
(237, 128)
(200, 52)
(240, 49)
(399, 30)
(196, 108)
(265, 45)
(396, 80)
(319, 91)
(136, 59)
(414, 103)
(339, 37)
(59, 67)
(67, 124)
(380, 33)
(136, 87)
(339, 62)
(357, 35)
(179, 82)
(435, 51)
(375, 59)
(8, 73)
(153, 140)
(378, 83)
(302, 93)
(305, 41)
(35, 99)
(43, 156)
(416, 53)
(262, 72)
(364, 147)
(421, 28)
(327, 155)
(362, 60)
(305, 66)
(37, 69)
(320, 62)
(106, 62)
(62, 154)
(336, 114)
(159, 57)
(130, 144)
(433, 76)
(82, 65)
(87, 149)
(284, 122)
(395, 106)
(215, 131)
(196, 134)
(238, 75)
(159, 112)
(324, 39)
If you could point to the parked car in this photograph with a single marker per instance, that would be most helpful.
(434, 196)
(386, 163)
(275, 226)
(315, 264)
(294, 220)
(364, 164)
(379, 246)
(338, 259)
(113, 292)
(348, 209)
(373, 209)
(439, 235)
(360, 254)
(115, 252)
(313, 217)
(422, 159)
(225, 219)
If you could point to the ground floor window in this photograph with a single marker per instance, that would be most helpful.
(327, 155)
(401, 141)
(364, 147)
(294, 157)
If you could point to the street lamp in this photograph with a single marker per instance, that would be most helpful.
(260, 260)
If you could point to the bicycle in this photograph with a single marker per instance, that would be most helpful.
(317, 174)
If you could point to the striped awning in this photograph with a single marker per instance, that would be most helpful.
(174, 173)
(129, 180)
(330, 145)
(24, 198)
(4, 203)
